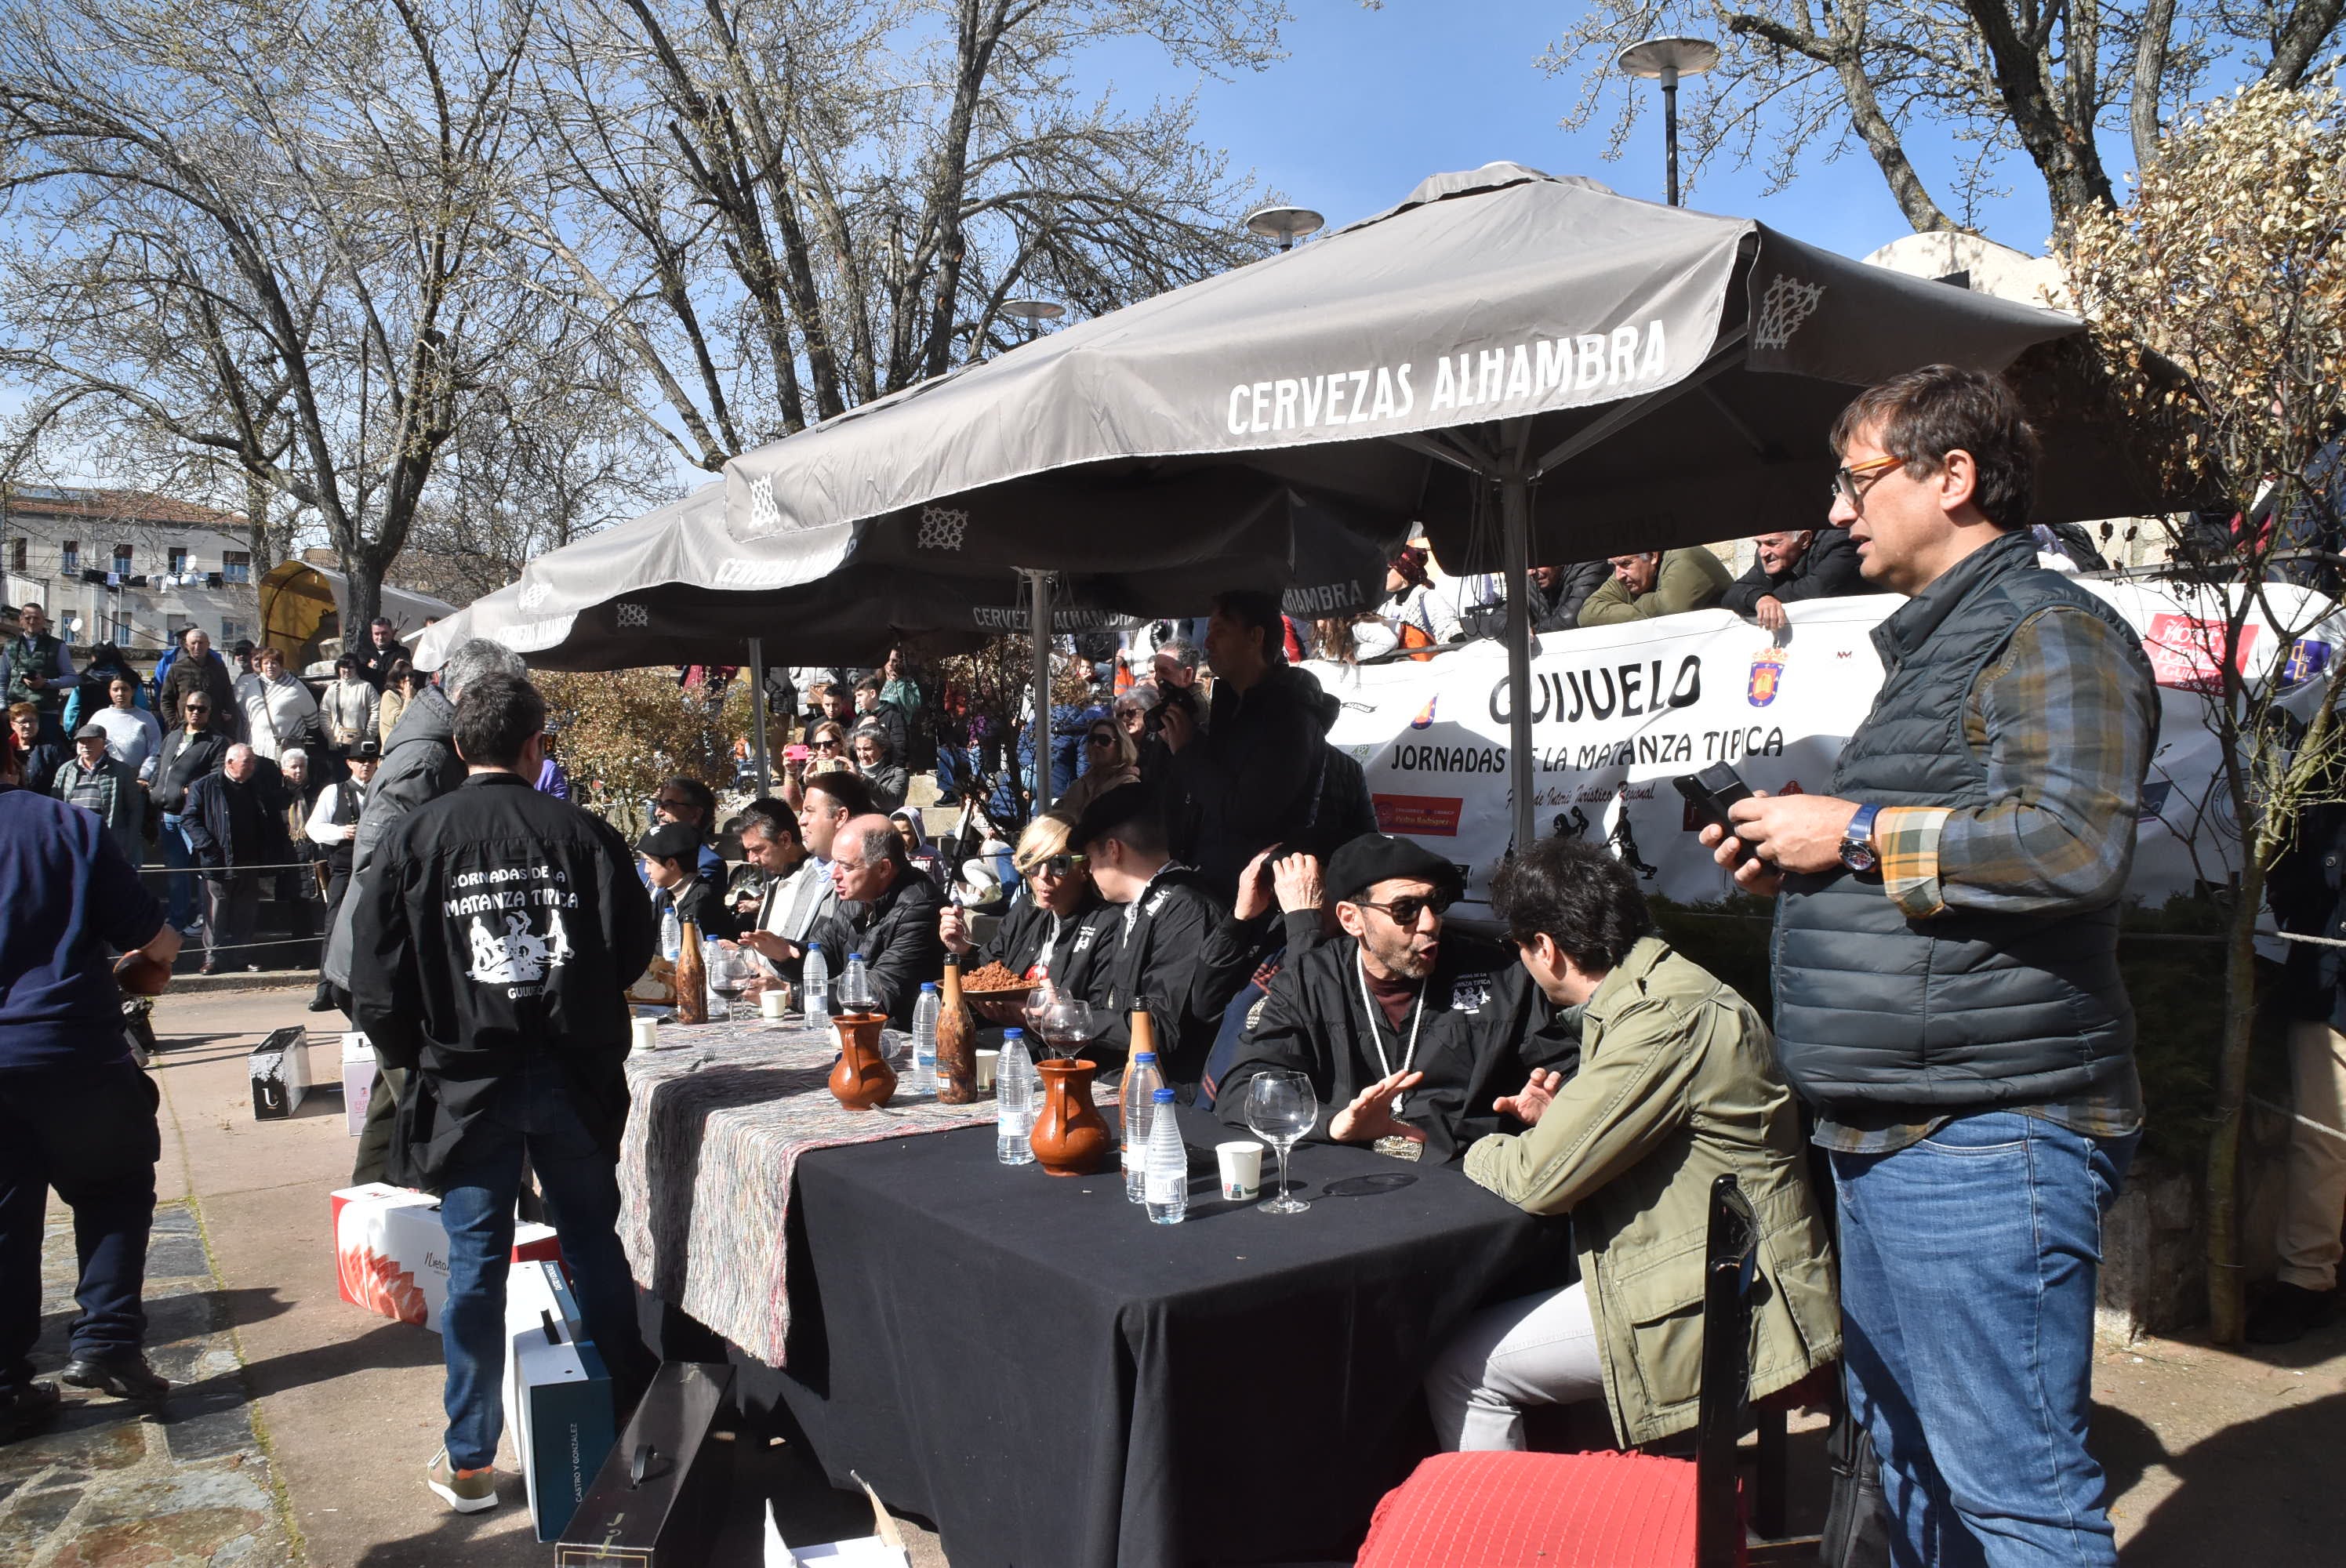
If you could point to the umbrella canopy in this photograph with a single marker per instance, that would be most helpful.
(302, 607)
(652, 591)
(1498, 319)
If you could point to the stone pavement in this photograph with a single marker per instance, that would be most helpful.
(185, 1486)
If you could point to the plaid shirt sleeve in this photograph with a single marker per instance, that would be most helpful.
(2067, 724)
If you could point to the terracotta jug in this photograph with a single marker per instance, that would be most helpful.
(1070, 1135)
(956, 1043)
(862, 1079)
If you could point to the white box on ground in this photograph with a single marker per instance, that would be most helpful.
(391, 1252)
(883, 1549)
(357, 1080)
(279, 1068)
(557, 1395)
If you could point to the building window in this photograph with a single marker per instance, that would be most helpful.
(17, 549)
(232, 633)
(69, 558)
(122, 632)
(122, 559)
(236, 566)
(178, 560)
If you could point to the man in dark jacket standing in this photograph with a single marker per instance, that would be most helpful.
(495, 941)
(235, 823)
(419, 764)
(1790, 567)
(190, 752)
(1946, 978)
(1252, 777)
(1558, 592)
(199, 671)
(887, 911)
(1409, 1032)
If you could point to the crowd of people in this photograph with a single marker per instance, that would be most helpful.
(1945, 1104)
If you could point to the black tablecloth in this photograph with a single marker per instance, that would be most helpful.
(1052, 1379)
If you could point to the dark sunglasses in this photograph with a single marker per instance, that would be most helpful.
(670, 803)
(195, 708)
(1404, 912)
(1100, 737)
(1058, 865)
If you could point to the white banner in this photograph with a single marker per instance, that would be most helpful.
(1618, 712)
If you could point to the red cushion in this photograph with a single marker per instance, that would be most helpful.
(1536, 1511)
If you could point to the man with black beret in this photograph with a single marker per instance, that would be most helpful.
(1409, 1033)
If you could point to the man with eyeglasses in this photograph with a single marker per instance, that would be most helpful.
(190, 752)
(1410, 1034)
(1947, 988)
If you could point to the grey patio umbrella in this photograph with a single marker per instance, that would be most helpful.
(1535, 367)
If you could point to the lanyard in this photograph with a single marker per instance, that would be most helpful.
(1377, 1026)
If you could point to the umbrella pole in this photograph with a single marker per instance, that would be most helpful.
(757, 716)
(1516, 526)
(1039, 623)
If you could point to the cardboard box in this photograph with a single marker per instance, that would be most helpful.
(557, 1395)
(280, 1069)
(883, 1548)
(391, 1252)
(661, 1495)
(357, 1080)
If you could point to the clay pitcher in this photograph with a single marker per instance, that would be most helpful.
(1070, 1135)
(862, 1079)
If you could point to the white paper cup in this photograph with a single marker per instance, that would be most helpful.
(774, 1002)
(1241, 1169)
(646, 1034)
(986, 1061)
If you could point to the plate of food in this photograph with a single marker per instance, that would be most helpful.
(996, 993)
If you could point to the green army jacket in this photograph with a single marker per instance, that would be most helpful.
(1677, 1085)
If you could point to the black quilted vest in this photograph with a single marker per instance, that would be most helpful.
(1965, 1010)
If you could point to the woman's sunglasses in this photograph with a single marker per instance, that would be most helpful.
(1100, 737)
(1057, 865)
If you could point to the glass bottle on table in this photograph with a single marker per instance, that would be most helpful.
(691, 977)
(954, 1042)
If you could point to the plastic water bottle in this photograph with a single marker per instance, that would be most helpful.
(1014, 1101)
(925, 1012)
(1168, 1165)
(1137, 1108)
(671, 935)
(814, 984)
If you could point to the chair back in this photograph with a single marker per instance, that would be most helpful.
(1728, 1274)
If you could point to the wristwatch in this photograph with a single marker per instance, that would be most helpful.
(1857, 850)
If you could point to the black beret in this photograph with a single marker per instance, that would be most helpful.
(1374, 858)
(671, 841)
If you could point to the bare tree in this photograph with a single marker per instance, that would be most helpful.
(271, 233)
(2040, 78)
(2231, 261)
(779, 209)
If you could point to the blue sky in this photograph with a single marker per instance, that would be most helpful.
(1369, 102)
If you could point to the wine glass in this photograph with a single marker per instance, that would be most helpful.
(726, 976)
(1068, 1025)
(1281, 1106)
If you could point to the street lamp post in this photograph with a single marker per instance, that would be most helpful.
(1667, 60)
(1285, 224)
(1032, 312)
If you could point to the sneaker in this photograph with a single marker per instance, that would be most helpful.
(33, 1409)
(466, 1490)
(2289, 1312)
(125, 1377)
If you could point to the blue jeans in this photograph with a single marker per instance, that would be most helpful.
(1967, 1272)
(177, 858)
(530, 1114)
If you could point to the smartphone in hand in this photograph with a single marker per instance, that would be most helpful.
(1711, 791)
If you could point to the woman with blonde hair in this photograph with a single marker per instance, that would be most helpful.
(1058, 923)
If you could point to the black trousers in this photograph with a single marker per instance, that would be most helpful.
(88, 1131)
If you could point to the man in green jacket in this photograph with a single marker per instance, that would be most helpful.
(1678, 1086)
(1656, 583)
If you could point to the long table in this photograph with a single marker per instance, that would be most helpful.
(1029, 1362)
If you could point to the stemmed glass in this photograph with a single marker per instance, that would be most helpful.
(1068, 1025)
(727, 977)
(1281, 1106)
